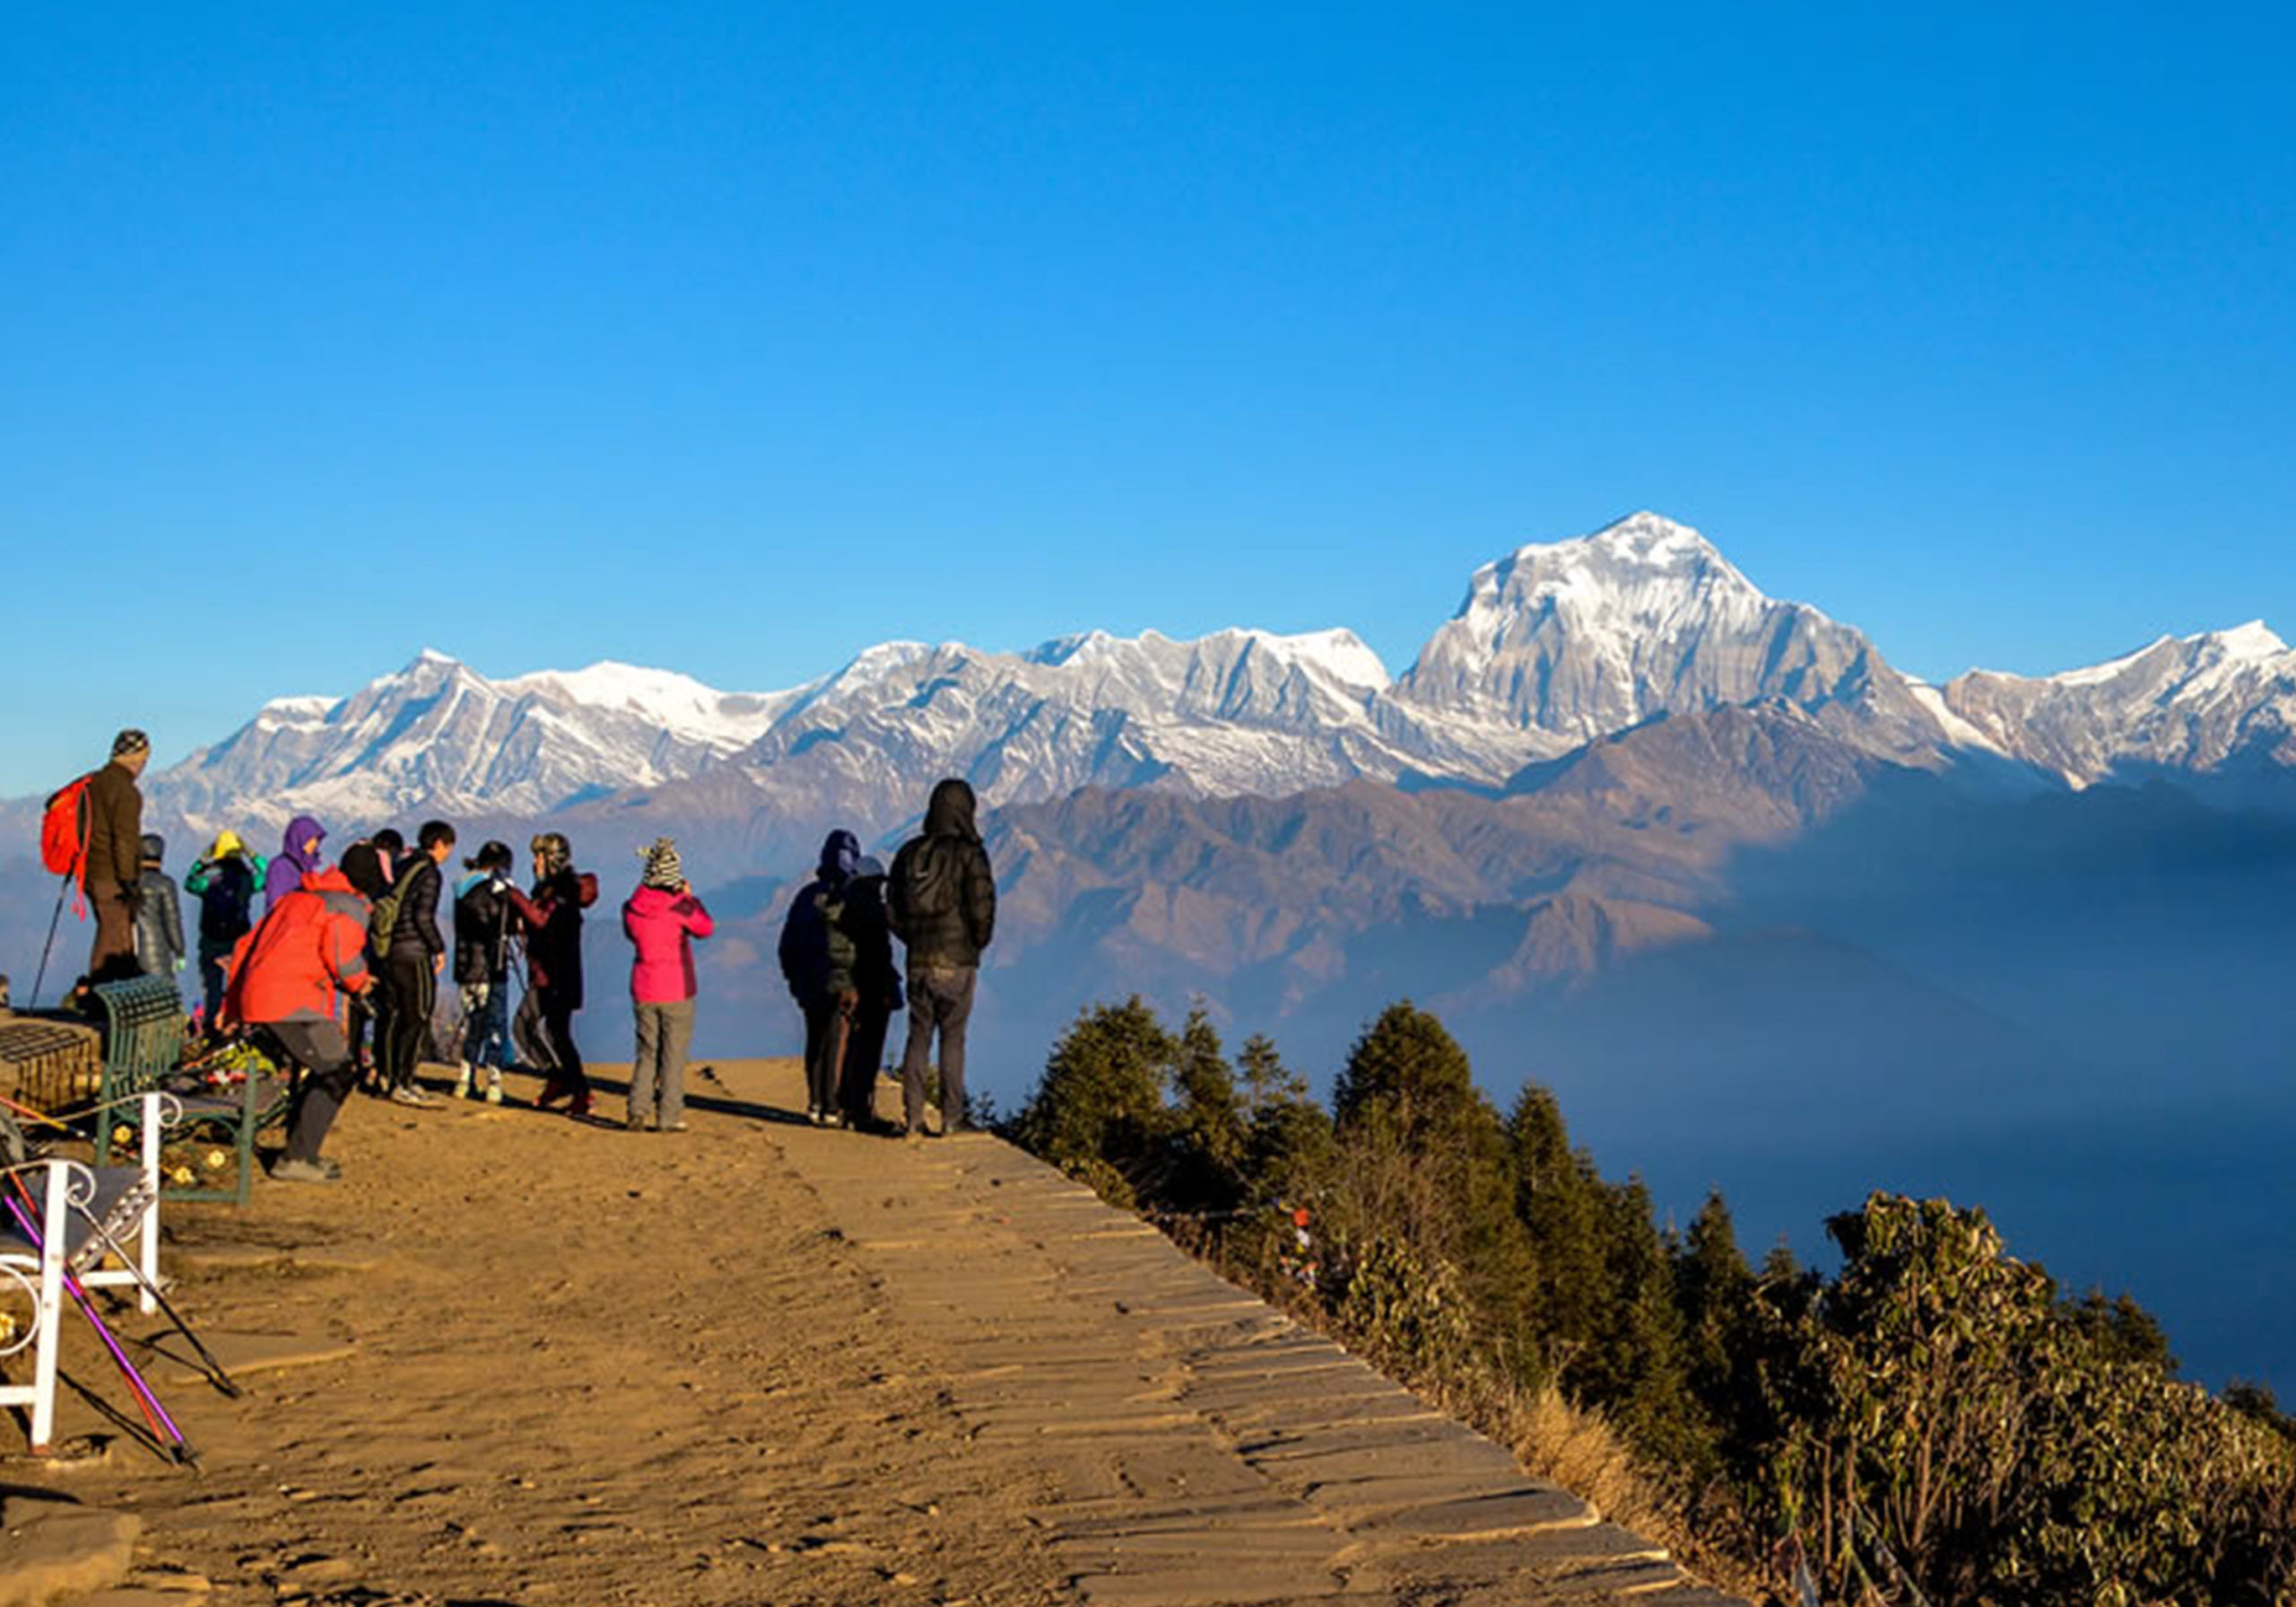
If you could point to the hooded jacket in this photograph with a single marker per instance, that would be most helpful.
(482, 930)
(158, 915)
(949, 851)
(552, 917)
(806, 965)
(310, 946)
(225, 886)
(295, 862)
(661, 926)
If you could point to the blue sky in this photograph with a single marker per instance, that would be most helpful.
(733, 339)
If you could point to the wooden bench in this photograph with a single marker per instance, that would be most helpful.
(142, 1053)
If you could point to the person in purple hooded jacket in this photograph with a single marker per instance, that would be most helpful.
(298, 857)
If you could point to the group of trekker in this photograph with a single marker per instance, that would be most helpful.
(309, 957)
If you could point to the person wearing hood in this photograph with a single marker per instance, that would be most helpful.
(225, 880)
(876, 986)
(298, 857)
(287, 977)
(551, 918)
(942, 904)
(159, 916)
(817, 963)
(483, 967)
(661, 920)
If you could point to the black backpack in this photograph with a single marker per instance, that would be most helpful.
(932, 876)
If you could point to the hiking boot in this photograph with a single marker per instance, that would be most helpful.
(287, 1170)
(674, 1127)
(462, 1083)
(579, 1106)
(408, 1094)
(494, 1090)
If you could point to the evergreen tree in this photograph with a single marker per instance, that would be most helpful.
(1424, 1161)
(1207, 1122)
(1558, 1199)
(1716, 1294)
(1289, 1153)
(1099, 1110)
(1407, 1070)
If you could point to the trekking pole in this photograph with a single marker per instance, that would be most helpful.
(62, 888)
(147, 1400)
(216, 1372)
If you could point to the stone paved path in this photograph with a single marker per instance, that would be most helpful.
(542, 1362)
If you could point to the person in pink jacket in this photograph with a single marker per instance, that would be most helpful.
(662, 919)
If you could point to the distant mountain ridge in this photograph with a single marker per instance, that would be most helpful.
(1554, 647)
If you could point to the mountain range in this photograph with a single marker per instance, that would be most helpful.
(1555, 646)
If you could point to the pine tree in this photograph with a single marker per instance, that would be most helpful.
(1099, 1110)
(1424, 1161)
(1289, 1153)
(1559, 1200)
(1207, 1123)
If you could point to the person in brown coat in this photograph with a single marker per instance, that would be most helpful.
(116, 856)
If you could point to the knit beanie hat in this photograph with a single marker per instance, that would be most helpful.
(662, 867)
(130, 740)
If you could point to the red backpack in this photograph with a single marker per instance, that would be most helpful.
(64, 832)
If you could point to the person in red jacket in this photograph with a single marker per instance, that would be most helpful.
(287, 977)
(662, 919)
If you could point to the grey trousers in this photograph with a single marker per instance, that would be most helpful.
(940, 997)
(657, 1074)
(323, 1052)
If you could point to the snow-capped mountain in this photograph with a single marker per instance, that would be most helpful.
(2194, 703)
(1556, 646)
(438, 732)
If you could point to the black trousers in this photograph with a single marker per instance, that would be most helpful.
(864, 1053)
(828, 1023)
(545, 1024)
(323, 1052)
(414, 989)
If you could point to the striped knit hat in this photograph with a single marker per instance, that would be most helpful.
(662, 867)
(130, 740)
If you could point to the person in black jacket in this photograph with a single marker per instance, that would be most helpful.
(483, 917)
(943, 905)
(551, 918)
(224, 883)
(414, 954)
(877, 990)
(817, 963)
(159, 916)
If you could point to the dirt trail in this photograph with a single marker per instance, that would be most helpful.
(544, 1361)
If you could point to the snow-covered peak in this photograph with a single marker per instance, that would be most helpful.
(1645, 577)
(1339, 655)
(678, 704)
(296, 711)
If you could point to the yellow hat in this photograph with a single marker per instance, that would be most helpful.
(226, 842)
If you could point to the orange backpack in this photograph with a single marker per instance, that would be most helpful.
(64, 832)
